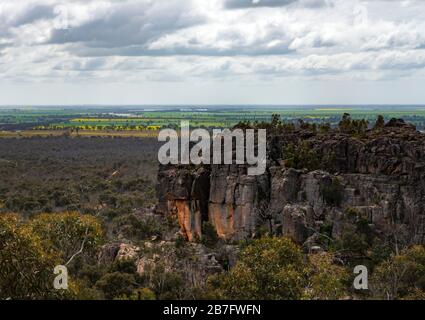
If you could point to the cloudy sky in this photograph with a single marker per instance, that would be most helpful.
(212, 52)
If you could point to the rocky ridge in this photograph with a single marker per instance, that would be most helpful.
(378, 177)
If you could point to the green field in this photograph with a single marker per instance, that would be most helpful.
(142, 118)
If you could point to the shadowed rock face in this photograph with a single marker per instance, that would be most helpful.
(380, 176)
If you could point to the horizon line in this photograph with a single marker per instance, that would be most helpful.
(216, 105)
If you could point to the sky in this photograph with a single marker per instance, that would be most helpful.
(212, 52)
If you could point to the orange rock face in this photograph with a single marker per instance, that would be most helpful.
(221, 217)
(189, 218)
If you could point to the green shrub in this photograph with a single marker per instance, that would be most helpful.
(401, 276)
(136, 228)
(142, 294)
(116, 284)
(209, 235)
(301, 156)
(124, 266)
(269, 268)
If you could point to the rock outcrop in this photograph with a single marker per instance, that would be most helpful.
(193, 261)
(380, 176)
(184, 193)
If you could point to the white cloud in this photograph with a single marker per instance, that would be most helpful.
(102, 41)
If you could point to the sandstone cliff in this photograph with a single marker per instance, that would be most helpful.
(378, 177)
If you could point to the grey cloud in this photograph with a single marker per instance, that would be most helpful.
(244, 4)
(130, 24)
(92, 64)
(240, 46)
(239, 4)
(28, 14)
(34, 13)
(402, 65)
(4, 45)
(106, 39)
(135, 51)
(135, 31)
